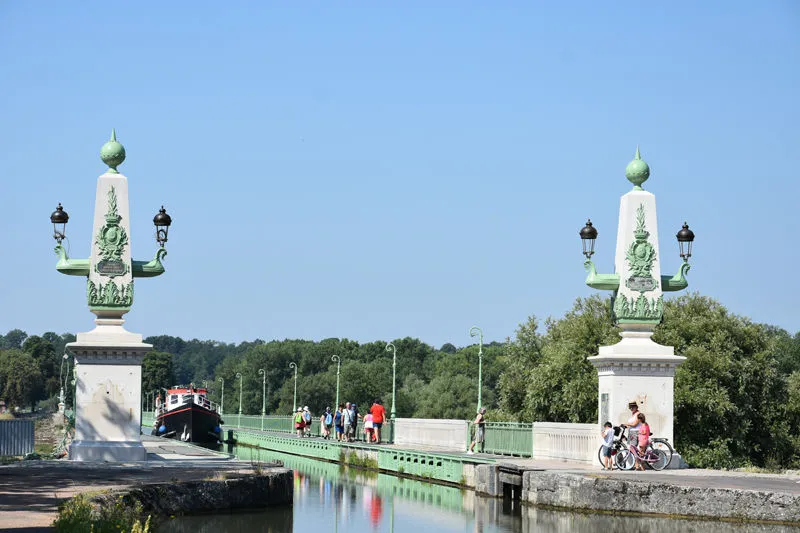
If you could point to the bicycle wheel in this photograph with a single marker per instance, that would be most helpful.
(657, 459)
(625, 460)
(664, 446)
(600, 456)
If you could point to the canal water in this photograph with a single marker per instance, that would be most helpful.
(328, 497)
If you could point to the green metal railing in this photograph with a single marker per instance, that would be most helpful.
(440, 466)
(506, 438)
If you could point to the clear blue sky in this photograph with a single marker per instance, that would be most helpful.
(376, 170)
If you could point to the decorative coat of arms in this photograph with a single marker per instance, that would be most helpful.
(111, 240)
(640, 257)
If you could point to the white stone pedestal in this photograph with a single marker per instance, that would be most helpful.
(637, 369)
(108, 393)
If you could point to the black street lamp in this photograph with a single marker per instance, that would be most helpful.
(685, 239)
(588, 235)
(162, 222)
(59, 218)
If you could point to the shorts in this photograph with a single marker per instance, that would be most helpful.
(480, 434)
(377, 425)
(606, 451)
(347, 429)
(339, 429)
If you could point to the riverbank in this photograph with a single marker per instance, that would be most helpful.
(30, 491)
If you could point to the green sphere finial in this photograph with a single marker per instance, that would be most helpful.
(112, 153)
(637, 171)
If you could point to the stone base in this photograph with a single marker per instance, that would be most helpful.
(118, 452)
(677, 462)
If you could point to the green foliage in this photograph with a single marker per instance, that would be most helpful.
(80, 515)
(21, 380)
(548, 377)
(733, 401)
(157, 371)
(737, 395)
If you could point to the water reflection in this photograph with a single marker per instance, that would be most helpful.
(329, 497)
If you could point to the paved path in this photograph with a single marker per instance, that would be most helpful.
(30, 491)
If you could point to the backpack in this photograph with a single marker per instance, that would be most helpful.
(338, 418)
(307, 417)
(298, 418)
(328, 419)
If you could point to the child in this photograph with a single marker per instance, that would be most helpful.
(644, 438)
(607, 433)
(368, 427)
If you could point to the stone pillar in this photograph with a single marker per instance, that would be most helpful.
(637, 369)
(108, 359)
(108, 396)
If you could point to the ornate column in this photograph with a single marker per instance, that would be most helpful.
(636, 369)
(108, 358)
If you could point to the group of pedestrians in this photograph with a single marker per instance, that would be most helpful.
(343, 423)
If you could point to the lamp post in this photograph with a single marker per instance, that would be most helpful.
(475, 330)
(294, 402)
(263, 375)
(390, 347)
(636, 369)
(61, 384)
(109, 272)
(239, 375)
(338, 361)
(222, 399)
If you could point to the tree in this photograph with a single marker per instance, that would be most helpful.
(20, 378)
(14, 339)
(157, 371)
(729, 393)
(548, 376)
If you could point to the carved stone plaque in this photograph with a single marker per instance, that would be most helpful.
(641, 283)
(111, 268)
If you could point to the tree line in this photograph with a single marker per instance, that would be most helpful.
(737, 395)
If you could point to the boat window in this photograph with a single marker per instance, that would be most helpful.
(173, 398)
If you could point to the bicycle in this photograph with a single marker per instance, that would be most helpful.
(660, 443)
(655, 458)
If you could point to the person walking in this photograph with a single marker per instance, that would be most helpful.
(480, 431)
(307, 421)
(347, 421)
(338, 422)
(353, 421)
(298, 422)
(368, 428)
(326, 422)
(378, 412)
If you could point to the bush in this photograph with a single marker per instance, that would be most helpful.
(80, 515)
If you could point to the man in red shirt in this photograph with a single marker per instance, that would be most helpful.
(378, 416)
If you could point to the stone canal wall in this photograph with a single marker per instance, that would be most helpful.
(642, 496)
(272, 487)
